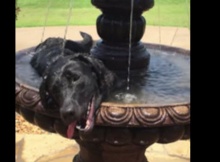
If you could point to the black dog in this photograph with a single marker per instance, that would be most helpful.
(74, 82)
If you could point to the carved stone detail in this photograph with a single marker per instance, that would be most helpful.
(27, 98)
(115, 114)
(146, 116)
(149, 116)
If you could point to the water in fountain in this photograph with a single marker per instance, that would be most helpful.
(166, 81)
(130, 44)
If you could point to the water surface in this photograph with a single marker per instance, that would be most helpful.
(167, 80)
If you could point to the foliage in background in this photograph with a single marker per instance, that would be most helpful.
(17, 10)
(33, 13)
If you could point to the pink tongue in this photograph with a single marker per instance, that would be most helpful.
(71, 129)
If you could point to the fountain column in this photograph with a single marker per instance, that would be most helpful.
(113, 26)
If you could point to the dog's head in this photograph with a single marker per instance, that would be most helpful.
(76, 86)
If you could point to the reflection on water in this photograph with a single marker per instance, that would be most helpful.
(167, 80)
(24, 70)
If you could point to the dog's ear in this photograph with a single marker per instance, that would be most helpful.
(86, 42)
(45, 95)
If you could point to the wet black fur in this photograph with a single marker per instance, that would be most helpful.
(71, 80)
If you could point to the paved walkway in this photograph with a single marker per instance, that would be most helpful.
(50, 147)
(178, 37)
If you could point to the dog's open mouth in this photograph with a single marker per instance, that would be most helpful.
(86, 123)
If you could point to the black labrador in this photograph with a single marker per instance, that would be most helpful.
(74, 82)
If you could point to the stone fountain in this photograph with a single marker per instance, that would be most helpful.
(122, 131)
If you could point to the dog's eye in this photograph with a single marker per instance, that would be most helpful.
(75, 77)
(71, 76)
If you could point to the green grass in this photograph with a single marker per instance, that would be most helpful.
(169, 13)
(33, 13)
(35, 17)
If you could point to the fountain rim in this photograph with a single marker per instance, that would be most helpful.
(116, 114)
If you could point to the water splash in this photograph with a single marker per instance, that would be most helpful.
(126, 97)
(129, 48)
(67, 24)
(45, 21)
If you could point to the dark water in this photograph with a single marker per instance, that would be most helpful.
(25, 72)
(167, 80)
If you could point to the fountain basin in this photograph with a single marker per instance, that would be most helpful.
(122, 131)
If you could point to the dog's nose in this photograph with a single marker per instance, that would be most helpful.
(68, 114)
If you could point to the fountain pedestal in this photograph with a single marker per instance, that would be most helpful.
(123, 144)
(113, 26)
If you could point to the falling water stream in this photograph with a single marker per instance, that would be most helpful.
(67, 24)
(159, 31)
(45, 20)
(130, 44)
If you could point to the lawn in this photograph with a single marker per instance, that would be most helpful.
(33, 13)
